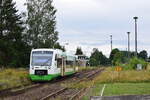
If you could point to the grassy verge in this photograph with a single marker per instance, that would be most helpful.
(125, 76)
(115, 89)
(10, 78)
(126, 82)
(127, 89)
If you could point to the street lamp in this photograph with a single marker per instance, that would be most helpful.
(135, 18)
(128, 45)
(111, 48)
(111, 41)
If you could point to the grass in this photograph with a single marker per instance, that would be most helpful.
(94, 91)
(10, 78)
(126, 82)
(127, 89)
(115, 89)
(125, 76)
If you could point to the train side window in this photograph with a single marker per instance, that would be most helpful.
(59, 63)
(56, 57)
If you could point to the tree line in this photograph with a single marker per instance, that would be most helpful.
(19, 33)
(116, 57)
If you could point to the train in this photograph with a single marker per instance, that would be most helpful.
(47, 64)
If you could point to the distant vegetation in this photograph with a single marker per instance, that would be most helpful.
(79, 51)
(134, 62)
(98, 59)
(19, 33)
(119, 58)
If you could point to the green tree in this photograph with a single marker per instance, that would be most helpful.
(58, 46)
(112, 54)
(143, 55)
(94, 59)
(41, 23)
(11, 37)
(97, 58)
(118, 58)
(79, 51)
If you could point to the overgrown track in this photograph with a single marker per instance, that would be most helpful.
(72, 94)
(53, 90)
(19, 90)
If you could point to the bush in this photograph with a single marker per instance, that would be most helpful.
(134, 61)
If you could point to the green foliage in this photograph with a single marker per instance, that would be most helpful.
(17, 38)
(112, 54)
(12, 46)
(143, 55)
(97, 58)
(119, 58)
(58, 46)
(134, 61)
(79, 51)
(93, 62)
(41, 24)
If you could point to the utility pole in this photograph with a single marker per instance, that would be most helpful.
(135, 18)
(111, 41)
(128, 45)
(111, 48)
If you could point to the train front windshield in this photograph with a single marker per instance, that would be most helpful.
(42, 58)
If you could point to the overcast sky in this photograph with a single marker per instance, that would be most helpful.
(89, 23)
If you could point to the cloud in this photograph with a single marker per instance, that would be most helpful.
(89, 23)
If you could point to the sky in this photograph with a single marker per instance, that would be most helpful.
(89, 23)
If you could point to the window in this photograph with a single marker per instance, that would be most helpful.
(42, 58)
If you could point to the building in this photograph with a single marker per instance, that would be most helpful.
(82, 60)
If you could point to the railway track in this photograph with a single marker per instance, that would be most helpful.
(19, 90)
(53, 90)
(53, 94)
(61, 94)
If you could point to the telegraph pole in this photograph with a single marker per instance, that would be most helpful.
(128, 45)
(135, 18)
(111, 41)
(111, 48)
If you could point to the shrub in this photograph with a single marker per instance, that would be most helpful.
(134, 61)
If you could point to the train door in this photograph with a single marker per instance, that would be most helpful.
(61, 63)
(63, 66)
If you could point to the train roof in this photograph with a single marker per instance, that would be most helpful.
(60, 53)
(45, 49)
